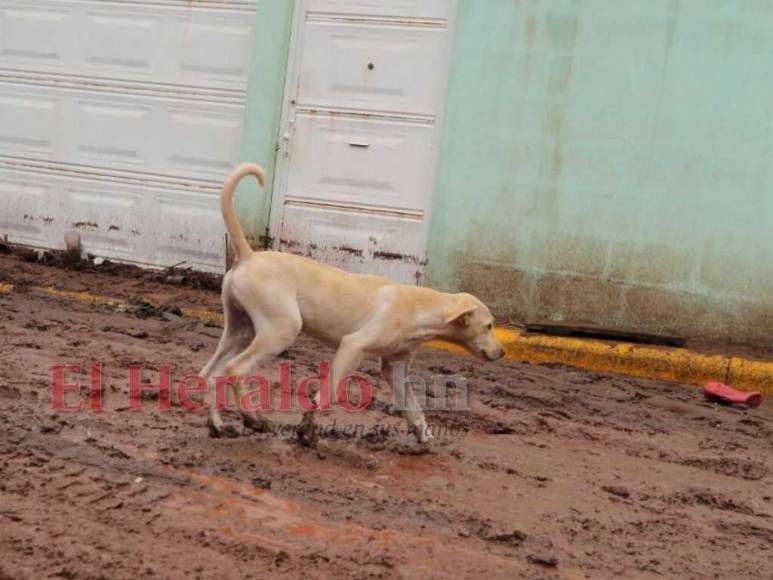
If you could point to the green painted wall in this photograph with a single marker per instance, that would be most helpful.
(271, 39)
(611, 163)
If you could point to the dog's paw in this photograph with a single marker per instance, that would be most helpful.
(224, 432)
(308, 437)
(257, 424)
(424, 434)
(306, 432)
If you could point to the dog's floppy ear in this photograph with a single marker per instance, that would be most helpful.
(461, 312)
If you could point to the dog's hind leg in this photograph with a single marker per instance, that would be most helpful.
(274, 333)
(215, 368)
(237, 333)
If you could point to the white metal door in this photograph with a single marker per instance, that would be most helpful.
(120, 119)
(361, 129)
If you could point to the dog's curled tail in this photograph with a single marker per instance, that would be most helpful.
(233, 227)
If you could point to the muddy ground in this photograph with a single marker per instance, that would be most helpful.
(552, 473)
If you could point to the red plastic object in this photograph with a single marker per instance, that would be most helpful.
(727, 394)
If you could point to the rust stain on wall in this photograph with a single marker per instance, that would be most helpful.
(386, 255)
(348, 250)
(86, 225)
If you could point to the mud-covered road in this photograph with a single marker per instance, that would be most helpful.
(552, 473)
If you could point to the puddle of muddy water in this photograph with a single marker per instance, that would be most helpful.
(242, 510)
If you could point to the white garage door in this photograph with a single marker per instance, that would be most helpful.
(120, 119)
(362, 125)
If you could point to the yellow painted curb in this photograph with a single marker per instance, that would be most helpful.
(86, 297)
(201, 314)
(675, 365)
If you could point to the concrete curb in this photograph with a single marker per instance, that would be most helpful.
(675, 365)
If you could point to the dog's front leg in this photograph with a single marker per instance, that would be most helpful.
(394, 371)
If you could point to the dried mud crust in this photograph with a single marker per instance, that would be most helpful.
(552, 473)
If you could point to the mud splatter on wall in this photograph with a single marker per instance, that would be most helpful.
(609, 163)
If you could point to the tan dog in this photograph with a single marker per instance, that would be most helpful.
(269, 298)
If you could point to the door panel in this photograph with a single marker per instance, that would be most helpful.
(128, 42)
(421, 9)
(362, 162)
(367, 243)
(128, 221)
(119, 131)
(407, 73)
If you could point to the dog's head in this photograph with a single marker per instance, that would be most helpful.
(471, 324)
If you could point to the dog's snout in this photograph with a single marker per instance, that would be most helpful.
(495, 355)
